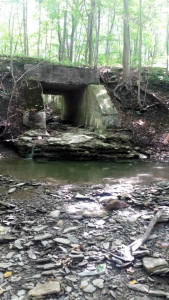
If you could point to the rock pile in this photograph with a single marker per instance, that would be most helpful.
(58, 241)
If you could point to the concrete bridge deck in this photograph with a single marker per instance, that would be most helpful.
(61, 78)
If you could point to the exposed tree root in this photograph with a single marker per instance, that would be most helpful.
(159, 100)
(118, 87)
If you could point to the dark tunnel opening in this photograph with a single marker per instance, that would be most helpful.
(64, 106)
(2, 128)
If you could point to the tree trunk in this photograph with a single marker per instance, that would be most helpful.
(126, 46)
(140, 52)
(72, 39)
(110, 31)
(25, 29)
(39, 30)
(167, 38)
(11, 27)
(89, 43)
(97, 34)
(51, 38)
(63, 43)
(46, 39)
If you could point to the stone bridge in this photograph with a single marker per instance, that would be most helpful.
(85, 102)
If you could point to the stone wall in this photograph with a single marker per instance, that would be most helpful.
(90, 107)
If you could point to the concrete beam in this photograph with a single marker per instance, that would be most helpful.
(56, 77)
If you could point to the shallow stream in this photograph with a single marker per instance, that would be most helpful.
(86, 172)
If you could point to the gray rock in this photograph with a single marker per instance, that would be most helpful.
(46, 266)
(10, 254)
(158, 293)
(62, 241)
(47, 288)
(55, 213)
(20, 184)
(72, 278)
(1, 277)
(44, 243)
(98, 283)
(81, 197)
(4, 266)
(15, 278)
(72, 238)
(41, 237)
(152, 264)
(21, 293)
(139, 287)
(99, 270)
(12, 190)
(4, 238)
(60, 223)
(18, 244)
(84, 283)
(26, 138)
(69, 229)
(39, 228)
(106, 245)
(28, 286)
(112, 293)
(68, 289)
(77, 257)
(90, 288)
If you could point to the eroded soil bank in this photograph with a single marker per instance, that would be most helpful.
(62, 238)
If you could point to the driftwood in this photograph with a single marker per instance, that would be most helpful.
(126, 253)
(136, 244)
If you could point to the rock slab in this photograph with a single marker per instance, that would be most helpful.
(46, 288)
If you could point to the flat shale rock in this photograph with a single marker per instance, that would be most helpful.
(62, 241)
(4, 238)
(98, 283)
(42, 237)
(46, 288)
(152, 264)
(55, 213)
(90, 288)
(5, 266)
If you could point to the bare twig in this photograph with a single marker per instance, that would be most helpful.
(14, 91)
(126, 253)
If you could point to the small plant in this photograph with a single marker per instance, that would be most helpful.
(4, 95)
(158, 76)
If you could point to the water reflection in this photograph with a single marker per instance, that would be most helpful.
(93, 171)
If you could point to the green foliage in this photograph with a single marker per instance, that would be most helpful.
(158, 76)
(4, 95)
(50, 34)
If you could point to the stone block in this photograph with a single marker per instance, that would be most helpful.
(34, 119)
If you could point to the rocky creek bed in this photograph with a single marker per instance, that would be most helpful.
(59, 242)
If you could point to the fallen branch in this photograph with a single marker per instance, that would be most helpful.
(154, 96)
(126, 253)
(136, 244)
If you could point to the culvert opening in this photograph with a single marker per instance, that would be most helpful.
(64, 108)
(2, 128)
(53, 107)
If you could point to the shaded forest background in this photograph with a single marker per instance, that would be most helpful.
(86, 32)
